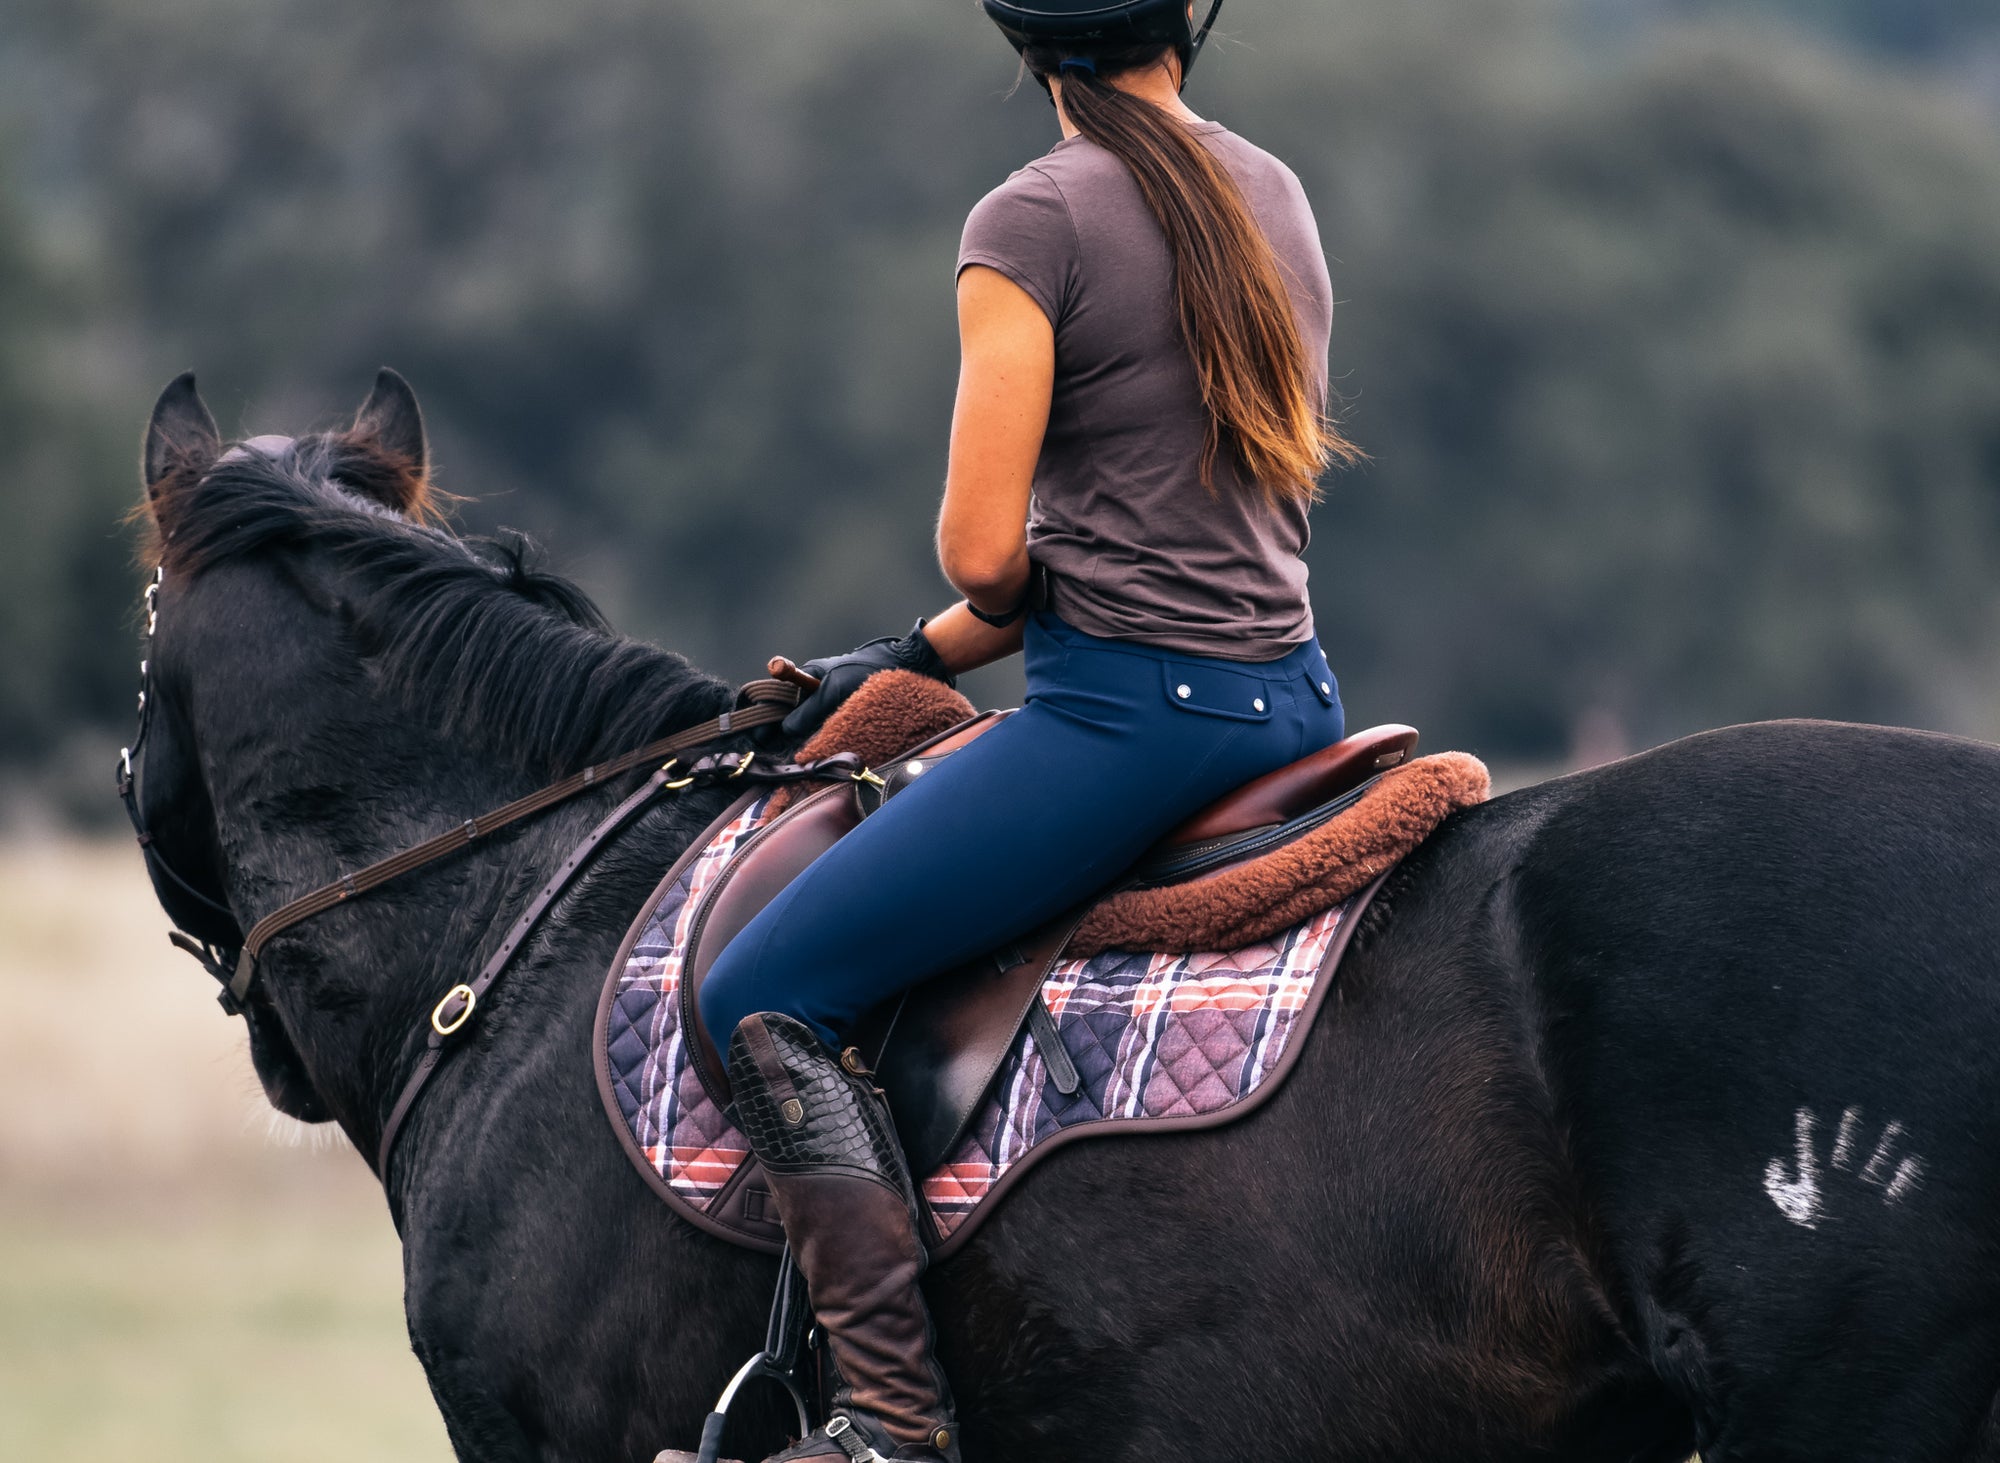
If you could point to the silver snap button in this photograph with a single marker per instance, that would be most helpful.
(1183, 692)
(1326, 688)
(915, 769)
(1258, 704)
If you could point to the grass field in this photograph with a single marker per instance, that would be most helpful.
(177, 1280)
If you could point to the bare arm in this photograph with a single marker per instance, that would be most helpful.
(1007, 367)
(1006, 379)
(965, 644)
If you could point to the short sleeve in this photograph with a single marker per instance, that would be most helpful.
(1023, 229)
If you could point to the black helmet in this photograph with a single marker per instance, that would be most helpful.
(1084, 23)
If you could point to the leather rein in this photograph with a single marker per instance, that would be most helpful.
(759, 703)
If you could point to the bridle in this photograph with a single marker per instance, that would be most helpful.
(758, 703)
(218, 960)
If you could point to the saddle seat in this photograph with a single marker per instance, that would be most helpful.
(936, 1050)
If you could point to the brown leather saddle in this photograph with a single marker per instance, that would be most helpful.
(937, 1049)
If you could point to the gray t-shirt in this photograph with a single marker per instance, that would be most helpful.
(1138, 548)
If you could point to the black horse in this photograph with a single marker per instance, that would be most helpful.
(1659, 1107)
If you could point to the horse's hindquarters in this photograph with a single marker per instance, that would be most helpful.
(1766, 958)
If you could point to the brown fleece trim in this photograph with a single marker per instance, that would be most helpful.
(892, 712)
(1251, 901)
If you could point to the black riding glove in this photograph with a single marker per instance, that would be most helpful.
(840, 676)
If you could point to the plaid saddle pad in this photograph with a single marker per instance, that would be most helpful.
(1161, 1041)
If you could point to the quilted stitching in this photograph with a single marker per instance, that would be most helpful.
(1152, 1036)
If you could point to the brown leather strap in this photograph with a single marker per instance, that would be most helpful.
(763, 703)
(452, 1014)
(463, 1000)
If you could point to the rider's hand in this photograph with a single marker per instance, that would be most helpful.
(840, 676)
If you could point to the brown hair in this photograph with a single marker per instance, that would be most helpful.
(1235, 312)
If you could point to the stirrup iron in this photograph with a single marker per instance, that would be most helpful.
(784, 1339)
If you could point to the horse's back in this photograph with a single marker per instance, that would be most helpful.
(1765, 960)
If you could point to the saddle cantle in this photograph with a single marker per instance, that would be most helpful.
(1019, 1038)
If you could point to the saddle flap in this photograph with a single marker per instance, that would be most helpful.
(950, 1037)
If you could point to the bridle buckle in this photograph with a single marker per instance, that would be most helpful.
(460, 992)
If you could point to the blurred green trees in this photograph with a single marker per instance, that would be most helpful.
(1679, 361)
(64, 561)
(1683, 380)
(1941, 29)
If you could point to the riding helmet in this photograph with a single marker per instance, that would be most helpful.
(1086, 23)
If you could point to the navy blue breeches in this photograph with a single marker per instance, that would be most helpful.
(1115, 745)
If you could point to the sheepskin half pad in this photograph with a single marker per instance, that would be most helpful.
(1256, 899)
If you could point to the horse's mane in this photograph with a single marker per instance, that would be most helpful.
(468, 632)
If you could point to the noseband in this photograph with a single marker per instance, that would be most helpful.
(218, 960)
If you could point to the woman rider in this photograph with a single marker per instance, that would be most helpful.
(1140, 424)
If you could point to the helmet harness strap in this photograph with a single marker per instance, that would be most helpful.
(1200, 39)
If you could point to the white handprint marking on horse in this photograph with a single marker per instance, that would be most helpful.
(1798, 1193)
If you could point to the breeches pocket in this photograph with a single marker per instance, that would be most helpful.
(1207, 690)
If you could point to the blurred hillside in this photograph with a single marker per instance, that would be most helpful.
(1676, 342)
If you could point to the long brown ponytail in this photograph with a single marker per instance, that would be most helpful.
(1235, 312)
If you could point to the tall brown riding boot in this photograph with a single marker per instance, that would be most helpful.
(843, 1190)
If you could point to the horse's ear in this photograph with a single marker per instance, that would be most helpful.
(390, 416)
(181, 436)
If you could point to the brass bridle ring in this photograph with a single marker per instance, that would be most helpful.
(463, 993)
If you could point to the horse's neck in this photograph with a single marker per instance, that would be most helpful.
(355, 984)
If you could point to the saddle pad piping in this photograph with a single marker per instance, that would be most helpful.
(1328, 973)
